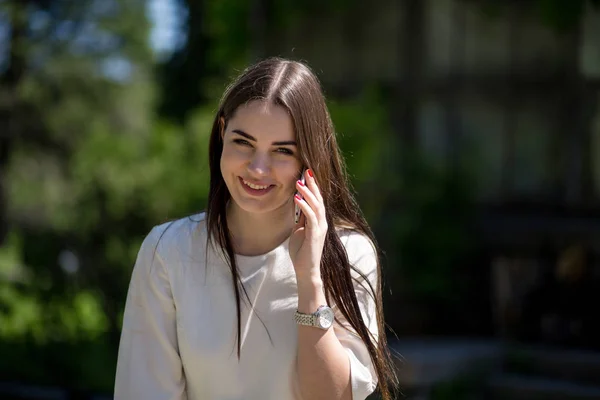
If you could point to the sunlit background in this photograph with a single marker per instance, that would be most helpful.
(471, 129)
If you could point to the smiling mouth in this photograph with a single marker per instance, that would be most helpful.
(255, 187)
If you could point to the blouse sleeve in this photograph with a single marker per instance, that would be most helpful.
(148, 365)
(361, 254)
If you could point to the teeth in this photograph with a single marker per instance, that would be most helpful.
(257, 187)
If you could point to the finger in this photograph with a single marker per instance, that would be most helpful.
(311, 182)
(301, 221)
(310, 198)
(305, 192)
(307, 212)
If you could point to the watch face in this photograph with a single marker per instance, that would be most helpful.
(325, 317)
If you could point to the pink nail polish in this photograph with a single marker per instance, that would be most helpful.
(300, 183)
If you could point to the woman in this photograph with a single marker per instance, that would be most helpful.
(239, 302)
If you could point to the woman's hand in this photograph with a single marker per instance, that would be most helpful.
(308, 235)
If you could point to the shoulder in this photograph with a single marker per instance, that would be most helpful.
(356, 243)
(363, 258)
(175, 234)
(361, 251)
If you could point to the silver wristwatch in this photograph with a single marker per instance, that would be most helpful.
(322, 318)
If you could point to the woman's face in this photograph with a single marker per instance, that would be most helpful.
(260, 162)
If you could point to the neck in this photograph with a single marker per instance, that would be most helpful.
(255, 234)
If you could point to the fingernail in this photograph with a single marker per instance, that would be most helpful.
(310, 173)
(300, 183)
(297, 196)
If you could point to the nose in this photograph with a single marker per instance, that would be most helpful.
(259, 165)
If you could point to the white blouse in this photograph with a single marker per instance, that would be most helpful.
(179, 327)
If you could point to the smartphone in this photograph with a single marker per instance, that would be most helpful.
(297, 211)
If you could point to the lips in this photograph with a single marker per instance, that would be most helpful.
(254, 185)
(254, 188)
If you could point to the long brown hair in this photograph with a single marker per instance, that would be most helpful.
(295, 87)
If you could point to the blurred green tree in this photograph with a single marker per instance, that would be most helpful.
(76, 110)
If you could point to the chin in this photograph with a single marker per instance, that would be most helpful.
(256, 206)
(259, 206)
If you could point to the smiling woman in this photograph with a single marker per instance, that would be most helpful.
(259, 162)
(243, 301)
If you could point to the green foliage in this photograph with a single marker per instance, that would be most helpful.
(362, 126)
(431, 227)
(81, 365)
(227, 26)
(366, 139)
(113, 180)
(70, 112)
(50, 342)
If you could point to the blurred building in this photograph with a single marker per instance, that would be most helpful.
(519, 97)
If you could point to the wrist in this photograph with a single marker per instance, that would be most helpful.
(309, 278)
(311, 294)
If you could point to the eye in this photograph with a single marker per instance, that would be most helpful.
(241, 142)
(284, 150)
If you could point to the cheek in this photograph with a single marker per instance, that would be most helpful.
(231, 158)
(288, 171)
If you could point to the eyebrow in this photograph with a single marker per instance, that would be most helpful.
(252, 138)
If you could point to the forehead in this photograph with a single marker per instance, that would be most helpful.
(263, 120)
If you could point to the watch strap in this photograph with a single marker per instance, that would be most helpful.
(305, 319)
